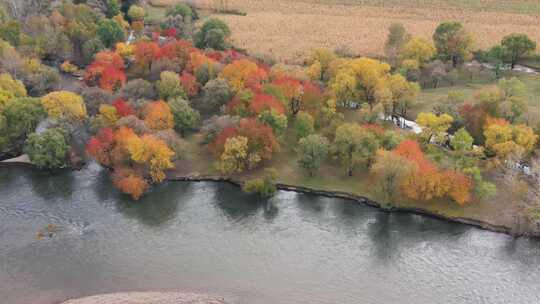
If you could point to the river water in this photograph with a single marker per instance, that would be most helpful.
(211, 238)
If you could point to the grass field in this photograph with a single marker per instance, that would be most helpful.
(288, 29)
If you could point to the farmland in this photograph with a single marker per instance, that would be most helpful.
(287, 30)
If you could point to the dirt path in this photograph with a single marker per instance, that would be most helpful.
(287, 30)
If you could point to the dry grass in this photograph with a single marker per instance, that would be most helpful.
(287, 30)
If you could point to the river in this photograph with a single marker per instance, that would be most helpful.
(211, 238)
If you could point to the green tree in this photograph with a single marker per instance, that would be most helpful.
(462, 143)
(180, 9)
(517, 45)
(277, 121)
(110, 32)
(136, 13)
(20, 118)
(169, 86)
(452, 42)
(312, 150)
(185, 117)
(113, 8)
(213, 34)
(390, 169)
(48, 150)
(304, 125)
(496, 56)
(354, 146)
(397, 38)
(482, 188)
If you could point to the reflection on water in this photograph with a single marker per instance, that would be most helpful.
(210, 237)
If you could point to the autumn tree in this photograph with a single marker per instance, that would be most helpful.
(504, 139)
(112, 79)
(319, 62)
(235, 157)
(130, 182)
(153, 152)
(517, 45)
(419, 50)
(240, 72)
(292, 92)
(145, 53)
(434, 126)
(404, 94)
(100, 146)
(158, 115)
(452, 42)
(390, 169)
(262, 102)
(189, 84)
(427, 182)
(64, 105)
(507, 100)
(354, 146)
(169, 86)
(123, 108)
(312, 150)
(10, 88)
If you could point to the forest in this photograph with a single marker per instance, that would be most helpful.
(435, 124)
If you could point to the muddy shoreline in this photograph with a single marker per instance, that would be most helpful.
(363, 200)
(148, 298)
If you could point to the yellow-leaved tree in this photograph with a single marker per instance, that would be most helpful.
(64, 105)
(234, 158)
(419, 50)
(434, 126)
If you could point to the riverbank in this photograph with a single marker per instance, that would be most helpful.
(148, 298)
(482, 224)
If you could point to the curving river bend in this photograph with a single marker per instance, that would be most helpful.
(211, 238)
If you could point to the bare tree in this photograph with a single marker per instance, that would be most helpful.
(22, 8)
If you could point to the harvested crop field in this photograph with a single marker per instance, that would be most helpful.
(287, 30)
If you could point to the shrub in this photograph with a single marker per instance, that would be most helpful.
(265, 186)
(216, 93)
(213, 34)
(180, 9)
